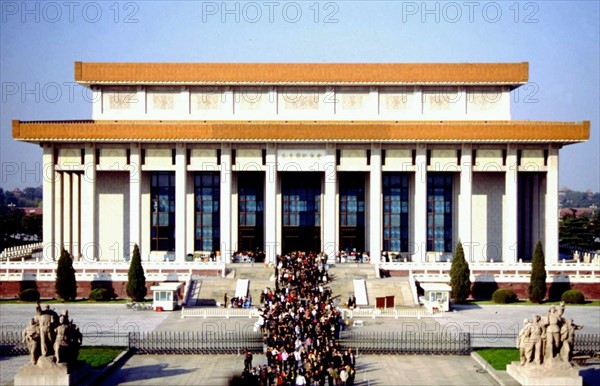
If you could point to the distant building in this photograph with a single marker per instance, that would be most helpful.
(213, 158)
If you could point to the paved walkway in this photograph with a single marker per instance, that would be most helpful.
(371, 370)
(110, 319)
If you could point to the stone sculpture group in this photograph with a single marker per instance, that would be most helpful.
(547, 338)
(51, 335)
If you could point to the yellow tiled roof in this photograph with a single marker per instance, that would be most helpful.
(513, 74)
(303, 131)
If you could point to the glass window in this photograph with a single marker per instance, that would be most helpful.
(301, 202)
(439, 212)
(395, 212)
(207, 221)
(162, 210)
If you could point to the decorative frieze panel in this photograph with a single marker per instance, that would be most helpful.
(204, 159)
(303, 160)
(248, 159)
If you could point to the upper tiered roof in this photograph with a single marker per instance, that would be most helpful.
(507, 74)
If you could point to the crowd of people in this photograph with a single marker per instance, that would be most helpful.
(301, 327)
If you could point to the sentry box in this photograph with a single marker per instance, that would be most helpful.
(167, 296)
(437, 296)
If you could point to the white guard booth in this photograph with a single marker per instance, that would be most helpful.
(437, 296)
(166, 296)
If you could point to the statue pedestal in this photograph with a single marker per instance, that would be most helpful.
(48, 373)
(551, 372)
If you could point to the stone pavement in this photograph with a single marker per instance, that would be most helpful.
(110, 319)
(371, 370)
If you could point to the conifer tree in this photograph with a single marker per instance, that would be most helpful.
(460, 273)
(65, 284)
(537, 279)
(136, 280)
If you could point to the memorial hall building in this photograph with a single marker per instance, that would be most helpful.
(395, 160)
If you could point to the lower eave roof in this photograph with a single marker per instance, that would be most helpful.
(302, 131)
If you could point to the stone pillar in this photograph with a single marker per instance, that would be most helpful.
(551, 247)
(76, 217)
(67, 213)
(375, 209)
(510, 219)
(58, 212)
(225, 203)
(135, 197)
(330, 215)
(89, 245)
(271, 228)
(420, 208)
(49, 241)
(180, 202)
(465, 214)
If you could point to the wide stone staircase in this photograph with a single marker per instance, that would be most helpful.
(399, 287)
(208, 291)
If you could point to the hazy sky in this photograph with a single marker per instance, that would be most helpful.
(40, 41)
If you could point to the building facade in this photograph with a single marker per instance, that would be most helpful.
(398, 160)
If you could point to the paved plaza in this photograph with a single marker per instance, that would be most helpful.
(112, 319)
(371, 370)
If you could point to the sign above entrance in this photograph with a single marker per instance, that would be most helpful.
(304, 160)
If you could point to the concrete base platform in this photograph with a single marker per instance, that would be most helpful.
(553, 372)
(48, 373)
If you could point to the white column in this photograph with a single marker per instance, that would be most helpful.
(180, 202)
(510, 220)
(330, 218)
(420, 206)
(225, 203)
(67, 212)
(551, 247)
(375, 220)
(58, 212)
(135, 196)
(465, 214)
(271, 228)
(76, 218)
(89, 246)
(48, 203)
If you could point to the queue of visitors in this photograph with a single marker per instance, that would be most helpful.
(300, 325)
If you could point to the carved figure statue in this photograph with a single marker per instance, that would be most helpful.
(50, 335)
(547, 339)
(534, 345)
(567, 337)
(47, 320)
(31, 337)
(61, 343)
(522, 340)
(555, 321)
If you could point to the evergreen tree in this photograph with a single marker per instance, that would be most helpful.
(136, 280)
(537, 280)
(460, 273)
(66, 284)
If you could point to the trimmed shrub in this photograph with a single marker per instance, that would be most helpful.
(30, 295)
(66, 284)
(573, 297)
(537, 279)
(460, 281)
(504, 296)
(136, 280)
(100, 295)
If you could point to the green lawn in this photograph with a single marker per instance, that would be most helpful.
(77, 301)
(99, 356)
(528, 303)
(498, 358)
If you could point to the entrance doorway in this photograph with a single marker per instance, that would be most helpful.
(301, 211)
